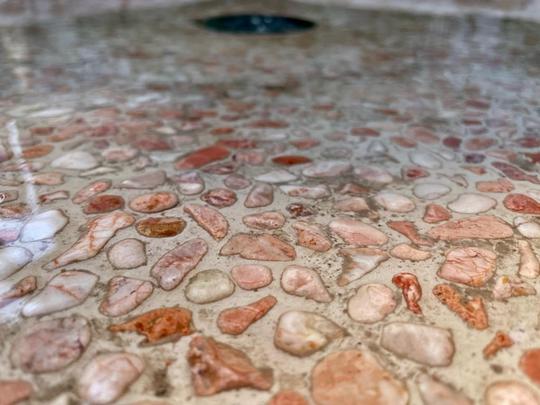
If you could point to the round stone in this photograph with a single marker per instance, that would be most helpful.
(371, 303)
(154, 202)
(472, 203)
(394, 202)
(251, 276)
(209, 286)
(127, 254)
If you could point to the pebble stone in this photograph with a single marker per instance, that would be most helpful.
(209, 286)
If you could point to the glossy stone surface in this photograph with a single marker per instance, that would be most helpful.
(302, 333)
(372, 184)
(107, 376)
(65, 290)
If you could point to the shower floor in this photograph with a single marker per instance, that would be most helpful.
(396, 160)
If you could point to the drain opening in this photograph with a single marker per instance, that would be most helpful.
(256, 24)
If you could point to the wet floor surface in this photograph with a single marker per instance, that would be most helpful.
(345, 215)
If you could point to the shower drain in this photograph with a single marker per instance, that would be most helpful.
(256, 24)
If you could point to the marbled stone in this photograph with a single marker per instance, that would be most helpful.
(44, 226)
(258, 247)
(107, 376)
(265, 220)
(154, 202)
(127, 254)
(357, 262)
(251, 276)
(65, 290)
(234, 321)
(51, 345)
(302, 333)
(423, 344)
(210, 219)
(217, 367)
(124, 295)
(12, 259)
(304, 282)
(371, 303)
(99, 231)
(261, 195)
(478, 227)
(173, 266)
(470, 266)
(357, 233)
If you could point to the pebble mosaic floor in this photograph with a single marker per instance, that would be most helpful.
(344, 216)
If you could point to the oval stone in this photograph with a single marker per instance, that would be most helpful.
(472, 203)
(154, 202)
(251, 276)
(209, 286)
(127, 254)
(51, 345)
(104, 203)
(160, 227)
(219, 197)
(371, 303)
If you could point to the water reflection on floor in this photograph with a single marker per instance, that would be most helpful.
(369, 188)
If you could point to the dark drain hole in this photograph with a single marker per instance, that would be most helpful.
(256, 24)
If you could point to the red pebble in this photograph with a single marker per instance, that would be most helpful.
(452, 142)
(104, 203)
(412, 291)
(530, 364)
(522, 203)
(202, 157)
(289, 160)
